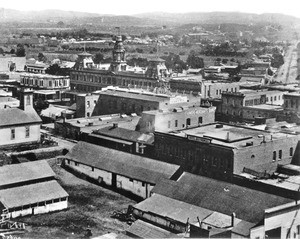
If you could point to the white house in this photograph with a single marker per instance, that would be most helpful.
(30, 188)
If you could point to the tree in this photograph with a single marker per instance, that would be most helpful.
(194, 61)
(20, 50)
(41, 57)
(277, 60)
(98, 58)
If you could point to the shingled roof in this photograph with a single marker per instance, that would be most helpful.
(126, 164)
(219, 196)
(20, 173)
(15, 116)
(32, 193)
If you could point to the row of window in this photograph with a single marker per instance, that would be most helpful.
(188, 122)
(51, 83)
(13, 133)
(114, 81)
(39, 204)
(280, 154)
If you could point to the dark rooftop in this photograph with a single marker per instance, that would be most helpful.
(219, 196)
(15, 116)
(126, 164)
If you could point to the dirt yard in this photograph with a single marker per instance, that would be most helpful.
(90, 207)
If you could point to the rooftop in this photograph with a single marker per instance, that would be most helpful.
(226, 198)
(126, 164)
(15, 116)
(43, 76)
(229, 135)
(143, 229)
(266, 107)
(32, 193)
(125, 134)
(19, 173)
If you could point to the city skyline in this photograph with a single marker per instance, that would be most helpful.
(132, 7)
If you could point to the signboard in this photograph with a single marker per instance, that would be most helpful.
(178, 99)
(199, 139)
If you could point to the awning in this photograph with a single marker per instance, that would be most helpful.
(113, 139)
(44, 92)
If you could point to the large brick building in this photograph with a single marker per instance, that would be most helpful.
(124, 101)
(87, 77)
(247, 105)
(222, 150)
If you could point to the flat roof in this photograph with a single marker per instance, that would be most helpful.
(228, 135)
(126, 164)
(136, 95)
(22, 172)
(32, 193)
(266, 107)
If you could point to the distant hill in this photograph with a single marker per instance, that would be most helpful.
(152, 18)
(220, 17)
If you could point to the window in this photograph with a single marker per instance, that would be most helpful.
(280, 154)
(274, 155)
(169, 124)
(143, 184)
(176, 123)
(88, 114)
(200, 120)
(131, 180)
(27, 131)
(28, 100)
(188, 121)
(12, 134)
(76, 164)
(93, 169)
(291, 151)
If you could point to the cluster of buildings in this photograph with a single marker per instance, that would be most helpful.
(204, 157)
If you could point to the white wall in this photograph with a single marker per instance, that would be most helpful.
(134, 186)
(41, 208)
(5, 134)
(87, 170)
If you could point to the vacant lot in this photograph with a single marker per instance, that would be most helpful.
(90, 207)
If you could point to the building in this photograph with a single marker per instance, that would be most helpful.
(8, 102)
(207, 208)
(123, 139)
(125, 101)
(20, 126)
(246, 105)
(221, 150)
(33, 66)
(76, 127)
(45, 81)
(33, 190)
(87, 77)
(123, 171)
(291, 107)
(12, 63)
(176, 118)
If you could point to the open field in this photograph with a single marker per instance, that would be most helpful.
(90, 207)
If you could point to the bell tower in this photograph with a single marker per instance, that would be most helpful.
(118, 63)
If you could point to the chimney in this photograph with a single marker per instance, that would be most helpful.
(115, 125)
(227, 136)
(233, 216)
(26, 99)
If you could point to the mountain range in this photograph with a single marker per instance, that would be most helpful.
(161, 18)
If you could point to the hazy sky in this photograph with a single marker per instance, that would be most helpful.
(290, 7)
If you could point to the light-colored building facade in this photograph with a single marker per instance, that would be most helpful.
(20, 126)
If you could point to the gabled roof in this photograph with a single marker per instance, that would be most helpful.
(143, 229)
(20, 173)
(32, 193)
(126, 164)
(219, 196)
(15, 116)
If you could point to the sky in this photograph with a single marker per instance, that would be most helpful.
(129, 7)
